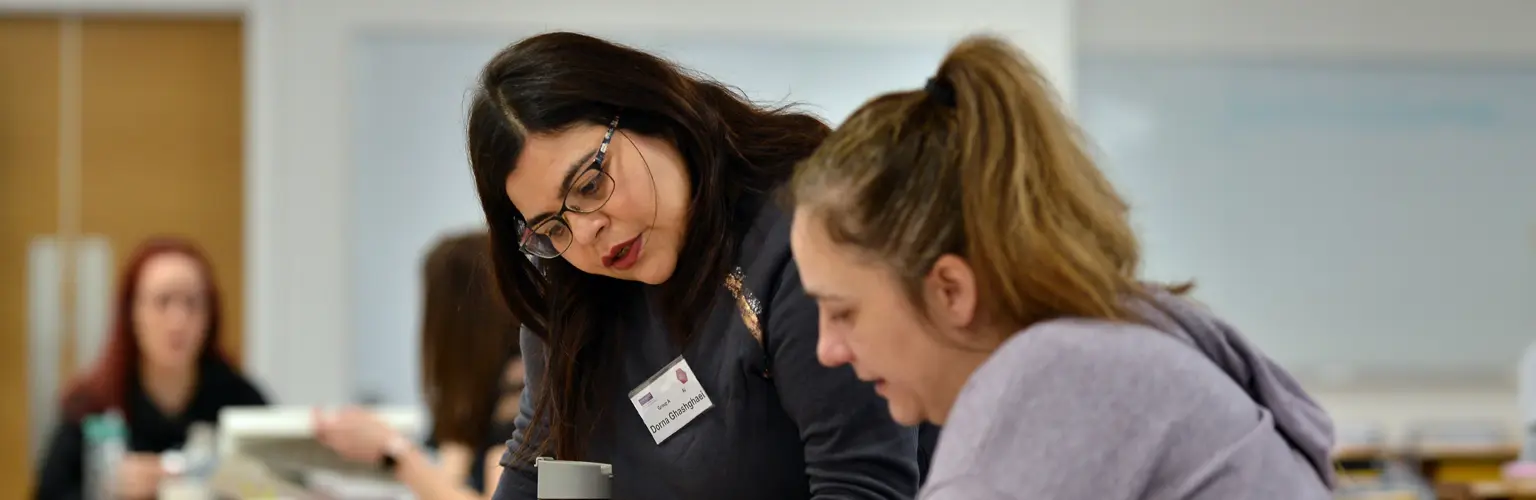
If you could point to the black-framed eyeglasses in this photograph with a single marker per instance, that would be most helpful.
(587, 193)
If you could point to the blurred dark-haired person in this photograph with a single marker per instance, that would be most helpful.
(161, 370)
(471, 370)
(630, 213)
(971, 260)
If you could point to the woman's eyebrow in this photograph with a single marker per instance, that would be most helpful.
(565, 185)
(824, 296)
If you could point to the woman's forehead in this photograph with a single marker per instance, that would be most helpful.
(548, 158)
(169, 269)
(549, 149)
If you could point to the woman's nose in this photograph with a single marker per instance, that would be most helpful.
(176, 316)
(830, 349)
(586, 227)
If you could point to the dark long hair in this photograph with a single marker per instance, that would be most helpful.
(736, 154)
(106, 384)
(467, 338)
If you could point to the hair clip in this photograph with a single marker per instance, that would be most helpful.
(941, 90)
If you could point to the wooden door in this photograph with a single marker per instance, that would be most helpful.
(145, 114)
(162, 141)
(29, 157)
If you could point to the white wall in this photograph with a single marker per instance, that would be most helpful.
(409, 185)
(302, 52)
(1343, 29)
(1471, 32)
(1368, 225)
(1353, 218)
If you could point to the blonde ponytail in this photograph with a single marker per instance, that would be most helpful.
(983, 163)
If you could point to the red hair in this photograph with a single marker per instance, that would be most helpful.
(106, 385)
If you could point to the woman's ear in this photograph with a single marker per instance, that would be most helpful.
(950, 290)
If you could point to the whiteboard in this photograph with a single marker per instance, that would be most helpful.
(1359, 220)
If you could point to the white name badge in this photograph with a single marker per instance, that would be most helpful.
(670, 399)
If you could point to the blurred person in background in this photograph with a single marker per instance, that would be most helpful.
(971, 260)
(666, 332)
(161, 370)
(471, 370)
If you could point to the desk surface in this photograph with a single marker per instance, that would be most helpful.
(1504, 489)
(1430, 452)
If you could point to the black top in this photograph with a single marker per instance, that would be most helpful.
(927, 441)
(799, 431)
(62, 472)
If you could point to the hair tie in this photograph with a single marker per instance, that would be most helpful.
(941, 91)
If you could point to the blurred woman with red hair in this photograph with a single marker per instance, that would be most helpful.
(161, 370)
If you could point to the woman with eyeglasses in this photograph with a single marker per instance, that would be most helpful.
(631, 213)
(970, 258)
(161, 371)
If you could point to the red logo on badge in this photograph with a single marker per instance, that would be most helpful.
(682, 376)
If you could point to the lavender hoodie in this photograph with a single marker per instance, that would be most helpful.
(1185, 408)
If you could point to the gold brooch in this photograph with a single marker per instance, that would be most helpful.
(746, 303)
